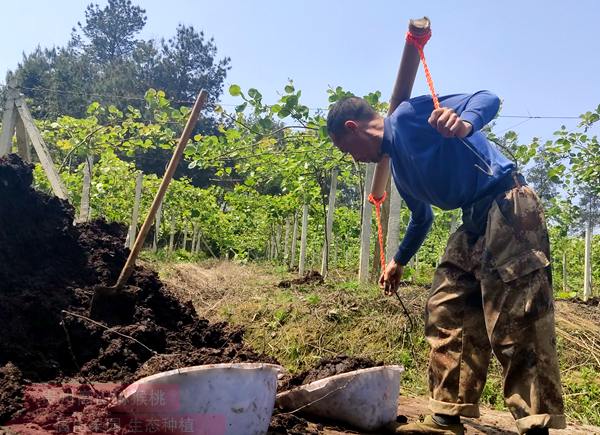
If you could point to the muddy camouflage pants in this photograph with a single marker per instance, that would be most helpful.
(493, 293)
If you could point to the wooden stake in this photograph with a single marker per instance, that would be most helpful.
(162, 189)
(41, 150)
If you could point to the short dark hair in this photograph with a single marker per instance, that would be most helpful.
(353, 108)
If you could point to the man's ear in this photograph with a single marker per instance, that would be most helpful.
(351, 125)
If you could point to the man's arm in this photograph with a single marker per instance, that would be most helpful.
(461, 115)
(420, 222)
(480, 108)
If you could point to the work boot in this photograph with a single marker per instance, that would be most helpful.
(426, 426)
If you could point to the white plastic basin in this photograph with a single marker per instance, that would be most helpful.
(214, 399)
(366, 399)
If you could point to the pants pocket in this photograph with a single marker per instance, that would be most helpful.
(529, 293)
(522, 264)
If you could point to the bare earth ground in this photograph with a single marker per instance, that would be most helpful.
(211, 284)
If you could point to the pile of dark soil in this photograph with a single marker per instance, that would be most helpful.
(593, 301)
(327, 367)
(48, 270)
(310, 277)
(291, 424)
(286, 423)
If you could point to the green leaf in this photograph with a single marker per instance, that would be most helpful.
(291, 100)
(235, 90)
(323, 131)
(289, 89)
(265, 123)
(253, 93)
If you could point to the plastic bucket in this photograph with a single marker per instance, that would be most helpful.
(366, 399)
(214, 399)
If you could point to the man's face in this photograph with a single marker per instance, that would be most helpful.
(356, 142)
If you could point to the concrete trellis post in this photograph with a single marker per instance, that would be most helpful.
(365, 232)
(157, 228)
(329, 223)
(172, 233)
(564, 270)
(185, 237)
(587, 271)
(23, 142)
(294, 240)
(194, 233)
(393, 232)
(303, 240)
(286, 236)
(84, 208)
(198, 236)
(139, 181)
(278, 251)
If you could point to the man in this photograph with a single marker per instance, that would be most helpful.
(492, 290)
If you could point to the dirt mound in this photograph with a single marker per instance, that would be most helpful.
(284, 423)
(593, 301)
(48, 270)
(311, 277)
(11, 391)
(291, 424)
(327, 367)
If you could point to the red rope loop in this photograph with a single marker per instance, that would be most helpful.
(377, 203)
(419, 42)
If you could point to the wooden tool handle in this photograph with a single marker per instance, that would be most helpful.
(175, 159)
(407, 72)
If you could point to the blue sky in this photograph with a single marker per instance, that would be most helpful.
(540, 57)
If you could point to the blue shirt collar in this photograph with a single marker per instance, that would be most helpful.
(386, 143)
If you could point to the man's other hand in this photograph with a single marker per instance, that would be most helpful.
(390, 278)
(448, 123)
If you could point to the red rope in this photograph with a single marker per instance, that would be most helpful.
(419, 42)
(377, 203)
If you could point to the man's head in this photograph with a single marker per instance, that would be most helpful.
(356, 128)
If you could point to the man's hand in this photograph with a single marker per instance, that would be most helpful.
(448, 123)
(390, 278)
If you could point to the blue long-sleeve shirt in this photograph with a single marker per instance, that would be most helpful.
(429, 169)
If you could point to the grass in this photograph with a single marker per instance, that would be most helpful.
(304, 323)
